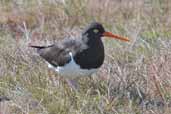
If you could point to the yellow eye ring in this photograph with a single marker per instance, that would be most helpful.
(95, 30)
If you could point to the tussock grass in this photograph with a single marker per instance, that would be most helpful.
(134, 79)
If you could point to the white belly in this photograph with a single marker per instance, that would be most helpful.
(72, 70)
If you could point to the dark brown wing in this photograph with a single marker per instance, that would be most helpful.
(58, 54)
(55, 55)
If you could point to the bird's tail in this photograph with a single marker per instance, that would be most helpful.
(37, 47)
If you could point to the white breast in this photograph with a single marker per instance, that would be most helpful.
(72, 70)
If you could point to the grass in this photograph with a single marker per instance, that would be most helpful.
(134, 79)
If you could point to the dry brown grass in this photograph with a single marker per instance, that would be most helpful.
(135, 78)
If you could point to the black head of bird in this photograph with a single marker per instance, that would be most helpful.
(95, 31)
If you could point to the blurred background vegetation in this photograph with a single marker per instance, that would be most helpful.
(135, 77)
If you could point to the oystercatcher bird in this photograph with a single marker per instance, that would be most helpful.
(78, 57)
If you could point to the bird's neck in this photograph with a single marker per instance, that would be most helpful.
(92, 42)
(95, 43)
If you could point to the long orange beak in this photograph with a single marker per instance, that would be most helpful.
(109, 34)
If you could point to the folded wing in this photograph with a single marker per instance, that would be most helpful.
(58, 54)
